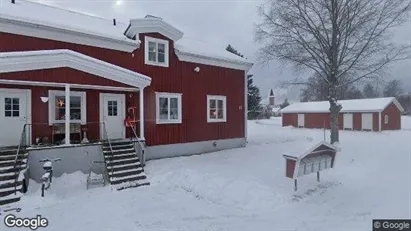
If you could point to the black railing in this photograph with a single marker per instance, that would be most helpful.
(141, 147)
(22, 147)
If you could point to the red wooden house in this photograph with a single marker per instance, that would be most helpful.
(359, 114)
(174, 90)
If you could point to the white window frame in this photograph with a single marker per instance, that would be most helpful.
(179, 105)
(217, 97)
(148, 39)
(52, 104)
(386, 119)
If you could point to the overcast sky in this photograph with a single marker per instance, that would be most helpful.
(220, 22)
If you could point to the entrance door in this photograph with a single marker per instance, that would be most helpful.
(14, 104)
(348, 121)
(112, 113)
(366, 121)
(301, 120)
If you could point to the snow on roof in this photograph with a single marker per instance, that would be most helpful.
(199, 47)
(354, 105)
(38, 13)
(303, 149)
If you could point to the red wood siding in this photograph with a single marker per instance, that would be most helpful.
(289, 119)
(375, 121)
(357, 124)
(394, 118)
(179, 77)
(290, 166)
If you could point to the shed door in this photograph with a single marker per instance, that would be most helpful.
(366, 121)
(348, 121)
(301, 120)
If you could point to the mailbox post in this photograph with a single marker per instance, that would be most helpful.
(318, 158)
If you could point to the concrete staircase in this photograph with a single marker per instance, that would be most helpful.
(10, 190)
(123, 165)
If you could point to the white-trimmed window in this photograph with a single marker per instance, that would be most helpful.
(156, 51)
(168, 108)
(386, 119)
(216, 108)
(57, 107)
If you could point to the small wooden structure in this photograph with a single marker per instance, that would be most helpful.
(320, 157)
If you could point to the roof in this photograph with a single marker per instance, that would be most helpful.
(25, 17)
(32, 12)
(301, 150)
(34, 60)
(354, 105)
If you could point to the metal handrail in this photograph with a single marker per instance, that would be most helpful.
(22, 145)
(142, 159)
(109, 143)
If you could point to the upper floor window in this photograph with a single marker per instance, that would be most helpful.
(156, 51)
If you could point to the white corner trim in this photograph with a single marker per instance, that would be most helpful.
(212, 61)
(46, 59)
(52, 106)
(148, 39)
(217, 97)
(19, 26)
(245, 105)
(150, 25)
(179, 104)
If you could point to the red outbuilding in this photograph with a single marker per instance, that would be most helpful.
(376, 114)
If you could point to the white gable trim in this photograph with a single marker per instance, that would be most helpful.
(212, 61)
(152, 25)
(396, 103)
(13, 25)
(46, 59)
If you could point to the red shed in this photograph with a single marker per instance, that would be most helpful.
(358, 114)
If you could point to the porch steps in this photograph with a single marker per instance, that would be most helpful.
(10, 189)
(123, 165)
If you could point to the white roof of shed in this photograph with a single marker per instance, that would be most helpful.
(354, 105)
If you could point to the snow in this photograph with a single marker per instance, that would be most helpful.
(355, 105)
(203, 48)
(46, 15)
(245, 189)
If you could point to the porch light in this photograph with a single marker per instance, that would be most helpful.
(44, 99)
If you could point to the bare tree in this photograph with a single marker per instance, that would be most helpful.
(334, 39)
(393, 88)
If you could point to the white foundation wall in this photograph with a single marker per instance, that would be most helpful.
(193, 148)
(73, 159)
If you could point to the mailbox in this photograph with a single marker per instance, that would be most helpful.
(313, 160)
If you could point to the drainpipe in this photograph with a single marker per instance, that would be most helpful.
(67, 120)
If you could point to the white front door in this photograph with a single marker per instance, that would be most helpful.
(348, 121)
(301, 120)
(366, 121)
(112, 113)
(14, 108)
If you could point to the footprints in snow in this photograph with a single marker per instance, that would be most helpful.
(319, 189)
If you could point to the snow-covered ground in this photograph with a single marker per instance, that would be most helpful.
(245, 189)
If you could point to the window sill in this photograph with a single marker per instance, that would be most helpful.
(216, 121)
(168, 122)
(156, 64)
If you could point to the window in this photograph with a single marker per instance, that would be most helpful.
(386, 119)
(112, 108)
(11, 107)
(216, 108)
(57, 107)
(168, 107)
(156, 52)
